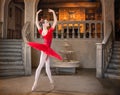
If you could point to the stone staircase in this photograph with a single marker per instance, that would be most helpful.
(11, 61)
(113, 70)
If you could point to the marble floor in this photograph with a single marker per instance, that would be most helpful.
(83, 82)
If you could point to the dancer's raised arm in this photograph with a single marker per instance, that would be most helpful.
(37, 20)
(54, 17)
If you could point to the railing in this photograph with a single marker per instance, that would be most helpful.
(26, 32)
(26, 48)
(104, 51)
(77, 29)
(1, 30)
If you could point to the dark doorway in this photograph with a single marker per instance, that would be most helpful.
(15, 19)
(117, 20)
(18, 23)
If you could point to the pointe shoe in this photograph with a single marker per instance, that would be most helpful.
(33, 88)
(52, 86)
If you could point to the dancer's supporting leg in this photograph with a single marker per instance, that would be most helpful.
(38, 71)
(48, 71)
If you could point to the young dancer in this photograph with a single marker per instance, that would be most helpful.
(45, 49)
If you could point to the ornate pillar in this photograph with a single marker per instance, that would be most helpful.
(108, 13)
(30, 7)
(2, 2)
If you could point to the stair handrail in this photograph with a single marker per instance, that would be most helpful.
(26, 49)
(26, 32)
(104, 51)
(107, 46)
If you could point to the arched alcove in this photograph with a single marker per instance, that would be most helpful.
(13, 19)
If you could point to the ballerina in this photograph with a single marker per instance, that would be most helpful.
(45, 49)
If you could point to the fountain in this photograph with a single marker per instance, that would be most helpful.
(68, 64)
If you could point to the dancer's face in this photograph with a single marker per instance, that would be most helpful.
(46, 23)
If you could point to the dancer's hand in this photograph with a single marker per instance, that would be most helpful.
(50, 10)
(39, 11)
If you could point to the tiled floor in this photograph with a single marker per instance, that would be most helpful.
(82, 83)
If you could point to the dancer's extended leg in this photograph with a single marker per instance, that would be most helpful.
(38, 71)
(48, 71)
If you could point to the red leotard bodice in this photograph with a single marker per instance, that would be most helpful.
(48, 37)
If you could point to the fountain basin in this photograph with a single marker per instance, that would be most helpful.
(66, 67)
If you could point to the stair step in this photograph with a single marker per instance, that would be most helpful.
(115, 66)
(113, 71)
(117, 42)
(116, 46)
(115, 60)
(7, 73)
(11, 67)
(112, 76)
(116, 52)
(10, 58)
(10, 50)
(10, 54)
(11, 43)
(115, 56)
(11, 63)
(11, 40)
(10, 46)
(116, 49)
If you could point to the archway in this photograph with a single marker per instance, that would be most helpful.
(13, 19)
(117, 20)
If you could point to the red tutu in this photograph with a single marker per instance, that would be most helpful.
(45, 48)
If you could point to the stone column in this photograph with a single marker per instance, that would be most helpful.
(2, 18)
(30, 10)
(1, 9)
(108, 13)
(30, 15)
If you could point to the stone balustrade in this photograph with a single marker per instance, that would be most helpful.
(77, 29)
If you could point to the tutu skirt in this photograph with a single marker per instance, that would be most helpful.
(43, 47)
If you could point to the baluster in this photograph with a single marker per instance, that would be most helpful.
(67, 30)
(56, 31)
(59, 29)
(95, 30)
(84, 31)
(90, 30)
(62, 31)
(78, 30)
(101, 28)
(73, 31)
